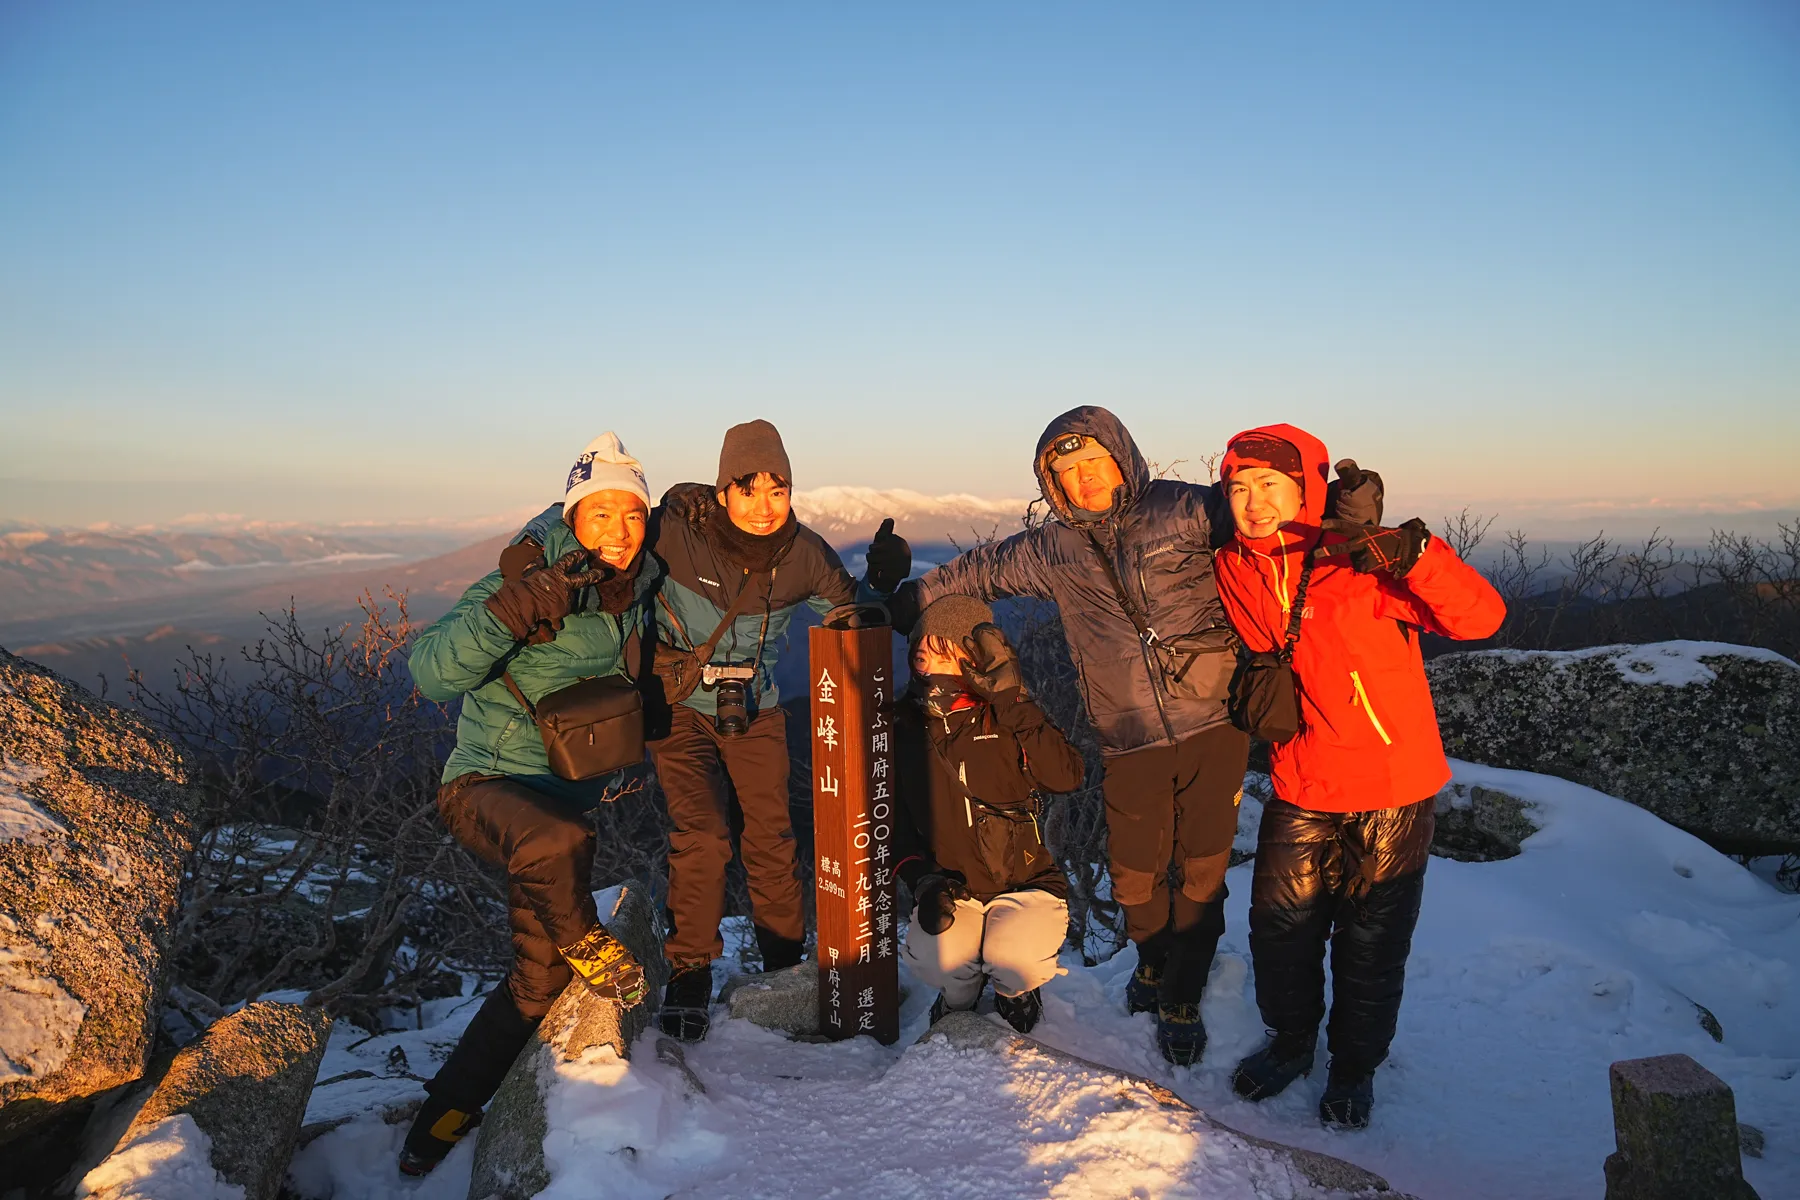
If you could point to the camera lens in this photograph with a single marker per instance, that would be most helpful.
(731, 717)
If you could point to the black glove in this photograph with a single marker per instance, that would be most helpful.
(993, 666)
(690, 502)
(544, 595)
(937, 896)
(890, 559)
(1372, 548)
(1355, 495)
(903, 607)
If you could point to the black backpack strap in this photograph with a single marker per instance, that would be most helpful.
(1296, 611)
(1145, 634)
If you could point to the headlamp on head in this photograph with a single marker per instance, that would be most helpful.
(1072, 448)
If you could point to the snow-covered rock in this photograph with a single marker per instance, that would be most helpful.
(170, 1159)
(243, 1084)
(94, 828)
(785, 1000)
(579, 1035)
(1705, 735)
(1479, 824)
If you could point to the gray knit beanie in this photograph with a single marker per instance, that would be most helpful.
(952, 618)
(749, 449)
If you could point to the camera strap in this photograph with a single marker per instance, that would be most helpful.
(737, 609)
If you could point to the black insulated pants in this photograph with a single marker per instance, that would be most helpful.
(1355, 879)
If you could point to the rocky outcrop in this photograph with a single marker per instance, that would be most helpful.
(244, 1084)
(1291, 1168)
(1478, 824)
(509, 1150)
(786, 1001)
(94, 828)
(1704, 735)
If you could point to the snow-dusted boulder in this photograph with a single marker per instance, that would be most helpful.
(1705, 735)
(509, 1151)
(1271, 1168)
(94, 828)
(1480, 824)
(785, 1000)
(243, 1085)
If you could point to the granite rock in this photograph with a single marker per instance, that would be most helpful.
(95, 827)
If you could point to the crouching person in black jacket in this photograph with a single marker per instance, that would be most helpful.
(973, 753)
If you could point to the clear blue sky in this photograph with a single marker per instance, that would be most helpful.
(336, 260)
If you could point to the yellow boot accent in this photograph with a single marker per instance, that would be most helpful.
(606, 966)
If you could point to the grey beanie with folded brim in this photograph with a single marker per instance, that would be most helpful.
(751, 449)
(952, 618)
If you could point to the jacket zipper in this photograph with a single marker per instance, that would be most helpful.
(1363, 696)
(1150, 662)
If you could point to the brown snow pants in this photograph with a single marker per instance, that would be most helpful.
(692, 764)
(546, 848)
(1173, 808)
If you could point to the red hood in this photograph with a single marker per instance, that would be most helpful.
(1303, 531)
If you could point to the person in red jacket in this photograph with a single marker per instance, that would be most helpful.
(1343, 844)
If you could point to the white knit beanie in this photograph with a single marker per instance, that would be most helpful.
(604, 466)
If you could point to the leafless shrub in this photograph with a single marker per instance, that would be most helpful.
(322, 865)
(1466, 531)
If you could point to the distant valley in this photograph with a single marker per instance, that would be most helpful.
(96, 603)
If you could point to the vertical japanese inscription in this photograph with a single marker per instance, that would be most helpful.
(852, 673)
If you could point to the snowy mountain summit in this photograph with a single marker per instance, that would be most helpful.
(848, 513)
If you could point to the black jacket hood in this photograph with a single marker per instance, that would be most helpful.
(1098, 423)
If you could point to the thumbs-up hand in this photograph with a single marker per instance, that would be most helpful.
(890, 559)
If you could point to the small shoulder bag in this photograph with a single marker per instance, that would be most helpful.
(591, 728)
(1265, 696)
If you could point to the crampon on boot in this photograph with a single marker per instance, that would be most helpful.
(606, 966)
(1180, 1034)
(686, 1012)
(1142, 988)
(434, 1133)
(1349, 1096)
(1283, 1059)
(1021, 1011)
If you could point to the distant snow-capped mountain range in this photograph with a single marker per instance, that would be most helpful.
(845, 513)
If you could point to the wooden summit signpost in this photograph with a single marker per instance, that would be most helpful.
(852, 672)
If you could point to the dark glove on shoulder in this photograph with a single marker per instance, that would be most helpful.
(937, 896)
(992, 670)
(890, 559)
(1373, 548)
(1355, 495)
(690, 502)
(903, 607)
(543, 595)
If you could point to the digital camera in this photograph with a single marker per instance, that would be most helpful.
(731, 700)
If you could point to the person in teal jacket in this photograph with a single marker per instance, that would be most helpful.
(568, 603)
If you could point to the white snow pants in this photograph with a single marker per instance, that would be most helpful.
(1012, 939)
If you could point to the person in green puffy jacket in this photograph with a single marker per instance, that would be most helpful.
(569, 603)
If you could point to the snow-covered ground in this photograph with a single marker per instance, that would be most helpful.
(1528, 977)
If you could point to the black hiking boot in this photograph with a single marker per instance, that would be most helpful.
(778, 953)
(1021, 1011)
(1180, 1034)
(1142, 988)
(434, 1134)
(686, 1012)
(1349, 1097)
(1283, 1059)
